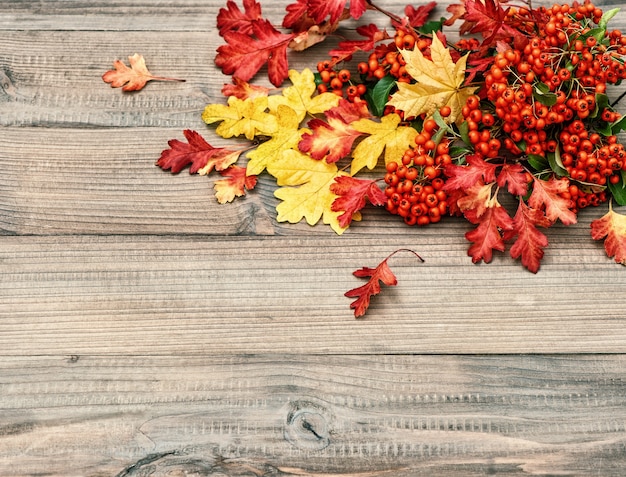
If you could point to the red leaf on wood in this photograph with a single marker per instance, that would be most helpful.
(487, 237)
(530, 241)
(381, 274)
(245, 54)
(417, 17)
(196, 152)
(352, 193)
(372, 35)
(233, 19)
(320, 9)
(489, 18)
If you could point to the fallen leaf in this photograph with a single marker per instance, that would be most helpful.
(196, 151)
(352, 193)
(133, 78)
(612, 226)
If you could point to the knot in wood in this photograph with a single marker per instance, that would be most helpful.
(307, 425)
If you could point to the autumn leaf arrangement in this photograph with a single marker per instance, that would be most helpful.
(404, 118)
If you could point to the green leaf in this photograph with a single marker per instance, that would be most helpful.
(542, 93)
(619, 190)
(554, 159)
(606, 17)
(537, 162)
(619, 125)
(602, 102)
(464, 132)
(378, 96)
(432, 26)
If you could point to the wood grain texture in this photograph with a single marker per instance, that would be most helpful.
(316, 416)
(186, 295)
(146, 330)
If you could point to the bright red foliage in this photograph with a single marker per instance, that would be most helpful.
(487, 237)
(352, 193)
(232, 18)
(530, 241)
(319, 10)
(196, 152)
(245, 53)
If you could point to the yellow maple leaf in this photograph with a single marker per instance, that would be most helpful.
(287, 136)
(247, 117)
(385, 135)
(306, 189)
(439, 83)
(299, 97)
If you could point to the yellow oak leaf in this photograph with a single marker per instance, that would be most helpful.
(299, 97)
(438, 83)
(385, 135)
(305, 189)
(247, 117)
(287, 136)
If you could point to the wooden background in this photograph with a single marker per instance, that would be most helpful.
(146, 330)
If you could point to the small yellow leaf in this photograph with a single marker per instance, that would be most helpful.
(247, 117)
(299, 97)
(439, 83)
(385, 135)
(306, 189)
(287, 136)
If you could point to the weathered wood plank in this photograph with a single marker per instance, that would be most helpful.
(313, 415)
(186, 295)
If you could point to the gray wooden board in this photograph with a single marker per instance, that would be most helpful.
(147, 330)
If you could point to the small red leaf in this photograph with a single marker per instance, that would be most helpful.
(196, 152)
(530, 241)
(381, 274)
(233, 19)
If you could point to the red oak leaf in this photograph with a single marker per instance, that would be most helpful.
(530, 241)
(464, 177)
(320, 9)
(382, 273)
(197, 152)
(546, 194)
(612, 226)
(514, 178)
(233, 19)
(417, 17)
(372, 35)
(235, 184)
(489, 18)
(352, 193)
(245, 54)
(487, 237)
(244, 90)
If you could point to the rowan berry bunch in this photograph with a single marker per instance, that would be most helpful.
(538, 121)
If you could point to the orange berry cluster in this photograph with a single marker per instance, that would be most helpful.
(414, 189)
(389, 60)
(338, 82)
(540, 96)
